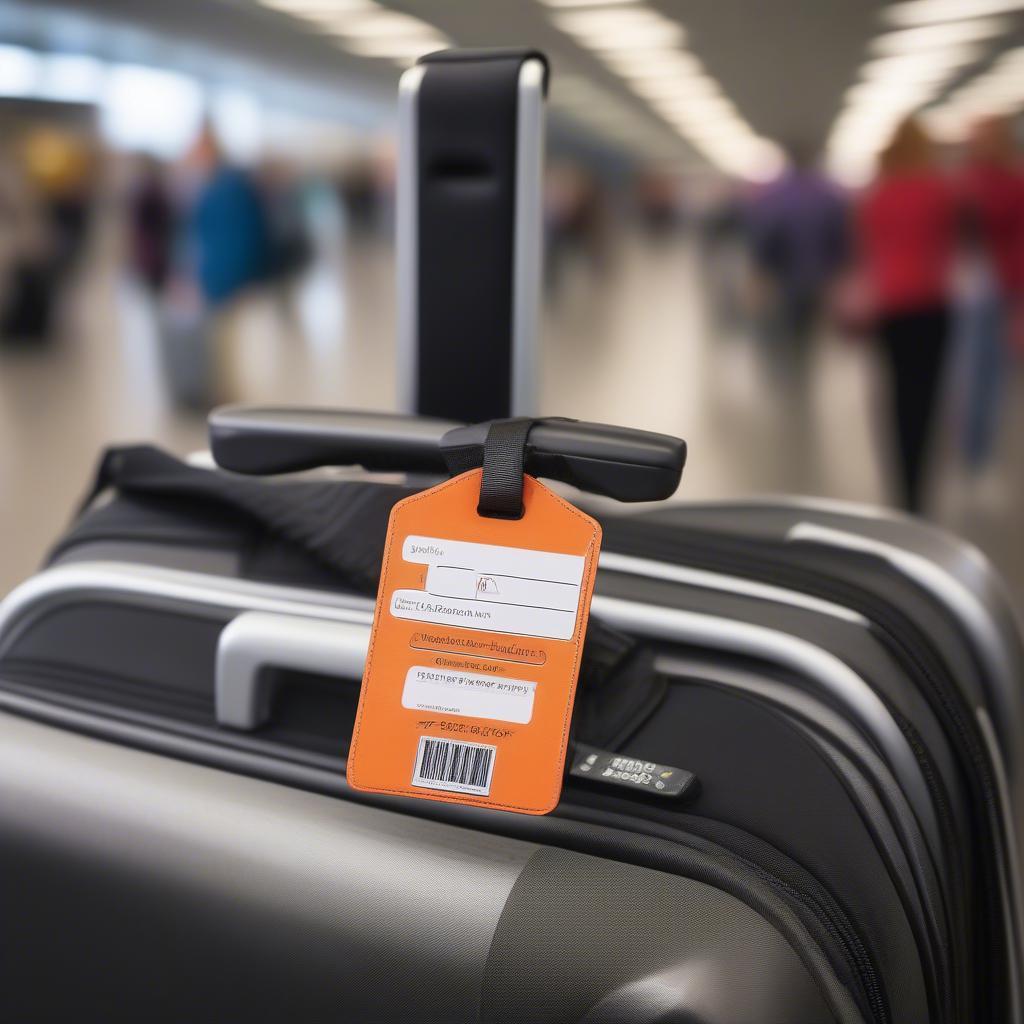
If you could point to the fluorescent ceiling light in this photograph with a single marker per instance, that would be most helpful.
(919, 66)
(709, 108)
(761, 159)
(926, 12)
(997, 91)
(757, 160)
(638, 42)
(649, 64)
(676, 88)
(396, 49)
(620, 28)
(853, 173)
(645, 48)
(324, 8)
(929, 37)
(585, 3)
(383, 24)
(881, 90)
(719, 133)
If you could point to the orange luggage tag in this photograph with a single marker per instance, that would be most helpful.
(476, 644)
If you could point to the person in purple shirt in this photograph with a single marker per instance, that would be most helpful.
(799, 239)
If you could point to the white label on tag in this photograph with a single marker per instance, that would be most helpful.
(490, 587)
(469, 694)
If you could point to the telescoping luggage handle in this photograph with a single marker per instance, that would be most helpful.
(617, 462)
(469, 232)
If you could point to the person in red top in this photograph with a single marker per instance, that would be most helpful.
(992, 189)
(907, 225)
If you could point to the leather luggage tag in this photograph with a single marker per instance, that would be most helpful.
(475, 651)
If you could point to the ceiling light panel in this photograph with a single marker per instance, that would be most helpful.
(403, 50)
(999, 90)
(568, 4)
(365, 28)
(620, 28)
(928, 12)
(930, 37)
(325, 8)
(381, 25)
(647, 50)
(905, 70)
(640, 65)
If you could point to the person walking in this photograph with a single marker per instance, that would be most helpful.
(907, 224)
(798, 243)
(992, 185)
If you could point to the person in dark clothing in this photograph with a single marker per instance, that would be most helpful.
(915, 343)
(798, 238)
(907, 225)
(153, 226)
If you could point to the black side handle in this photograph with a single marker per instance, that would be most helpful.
(618, 462)
(262, 441)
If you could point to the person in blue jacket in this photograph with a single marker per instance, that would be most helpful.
(230, 233)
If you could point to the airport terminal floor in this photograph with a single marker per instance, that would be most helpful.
(631, 340)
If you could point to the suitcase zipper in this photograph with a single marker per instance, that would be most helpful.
(818, 902)
(813, 898)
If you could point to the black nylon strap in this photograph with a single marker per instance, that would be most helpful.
(340, 523)
(342, 526)
(501, 487)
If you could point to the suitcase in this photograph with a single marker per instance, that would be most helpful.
(178, 685)
(822, 696)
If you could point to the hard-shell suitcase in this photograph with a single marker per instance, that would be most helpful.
(822, 709)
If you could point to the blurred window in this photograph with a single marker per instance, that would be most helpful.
(237, 119)
(69, 78)
(157, 112)
(19, 71)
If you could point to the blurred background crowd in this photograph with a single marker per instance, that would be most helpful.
(801, 248)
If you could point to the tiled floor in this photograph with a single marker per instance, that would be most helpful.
(631, 343)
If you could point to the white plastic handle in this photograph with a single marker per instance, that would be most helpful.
(254, 641)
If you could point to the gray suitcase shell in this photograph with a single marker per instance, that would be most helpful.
(169, 891)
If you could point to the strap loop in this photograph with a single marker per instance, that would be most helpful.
(503, 461)
(501, 487)
(503, 457)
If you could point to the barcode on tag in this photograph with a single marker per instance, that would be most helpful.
(458, 767)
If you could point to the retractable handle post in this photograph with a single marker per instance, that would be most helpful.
(469, 233)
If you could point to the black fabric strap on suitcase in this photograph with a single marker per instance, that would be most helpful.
(342, 525)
